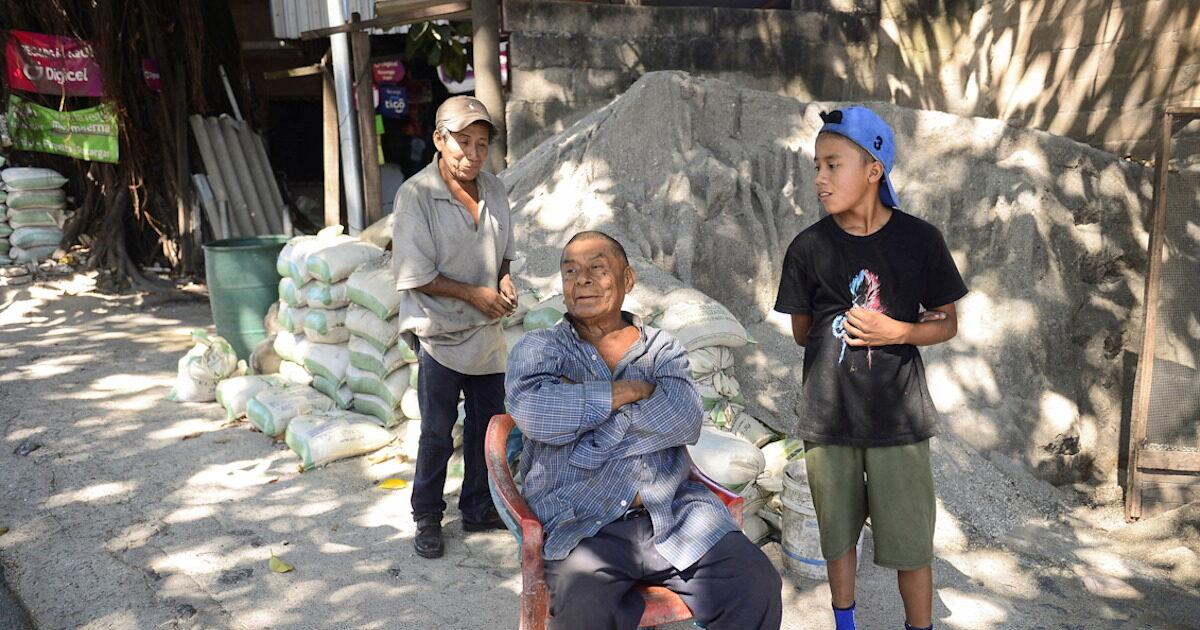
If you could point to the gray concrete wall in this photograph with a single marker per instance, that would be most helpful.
(1092, 70)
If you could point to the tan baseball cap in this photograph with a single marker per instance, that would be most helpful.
(458, 112)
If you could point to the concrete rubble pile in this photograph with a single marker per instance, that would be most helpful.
(710, 182)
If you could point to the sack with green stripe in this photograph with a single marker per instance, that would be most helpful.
(290, 293)
(373, 286)
(53, 198)
(334, 262)
(325, 437)
(271, 411)
(324, 295)
(380, 333)
(322, 326)
(365, 356)
(29, 177)
(40, 236)
(34, 217)
(341, 395)
(330, 360)
(375, 407)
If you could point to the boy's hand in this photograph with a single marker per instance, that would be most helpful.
(872, 328)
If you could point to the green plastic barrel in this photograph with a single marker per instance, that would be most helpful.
(242, 285)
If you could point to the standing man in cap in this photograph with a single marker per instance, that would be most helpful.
(452, 244)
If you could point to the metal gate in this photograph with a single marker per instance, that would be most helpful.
(1164, 445)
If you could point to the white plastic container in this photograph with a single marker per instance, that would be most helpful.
(801, 539)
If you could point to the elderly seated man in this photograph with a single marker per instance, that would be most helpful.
(606, 406)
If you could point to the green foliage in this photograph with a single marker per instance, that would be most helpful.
(445, 45)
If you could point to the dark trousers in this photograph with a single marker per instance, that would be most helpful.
(733, 586)
(438, 389)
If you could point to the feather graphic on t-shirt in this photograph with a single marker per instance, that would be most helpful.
(864, 293)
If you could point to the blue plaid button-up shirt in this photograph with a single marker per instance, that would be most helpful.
(583, 463)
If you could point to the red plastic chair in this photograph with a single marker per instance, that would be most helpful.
(662, 605)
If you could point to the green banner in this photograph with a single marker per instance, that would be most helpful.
(86, 134)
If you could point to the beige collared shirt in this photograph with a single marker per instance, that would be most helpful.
(435, 234)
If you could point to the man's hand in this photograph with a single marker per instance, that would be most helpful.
(872, 328)
(627, 391)
(509, 291)
(491, 302)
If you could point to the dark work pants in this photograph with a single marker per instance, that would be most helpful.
(438, 388)
(731, 587)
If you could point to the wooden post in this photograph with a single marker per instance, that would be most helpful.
(1145, 368)
(485, 20)
(329, 131)
(364, 80)
(189, 231)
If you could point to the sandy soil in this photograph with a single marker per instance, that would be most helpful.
(135, 513)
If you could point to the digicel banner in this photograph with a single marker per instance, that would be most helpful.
(52, 64)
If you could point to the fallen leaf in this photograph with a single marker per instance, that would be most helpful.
(334, 527)
(3, 531)
(393, 484)
(193, 435)
(225, 441)
(279, 566)
(273, 480)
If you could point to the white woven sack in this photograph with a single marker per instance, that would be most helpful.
(54, 198)
(373, 286)
(380, 333)
(283, 264)
(324, 295)
(365, 356)
(378, 409)
(301, 249)
(291, 347)
(341, 395)
(322, 438)
(753, 430)
(38, 236)
(389, 389)
(28, 178)
(700, 324)
(329, 360)
(290, 293)
(726, 458)
(21, 255)
(234, 393)
(321, 326)
(271, 411)
(704, 361)
(209, 361)
(410, 404)
(295, 373)
(336, 261)
(34, 217)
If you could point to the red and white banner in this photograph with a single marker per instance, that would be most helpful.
(52, 64)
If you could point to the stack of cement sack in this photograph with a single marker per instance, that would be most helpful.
(307, 402)
(34, 212)
(735, 449)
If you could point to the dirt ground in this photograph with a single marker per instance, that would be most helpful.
(125, 511)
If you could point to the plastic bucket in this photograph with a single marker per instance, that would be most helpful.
(242, 285)
(801, 540)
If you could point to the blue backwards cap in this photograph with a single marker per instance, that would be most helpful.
(866, 129)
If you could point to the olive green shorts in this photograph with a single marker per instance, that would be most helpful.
(893, 485)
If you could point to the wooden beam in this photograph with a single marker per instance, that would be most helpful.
(1145, 368)
(441, 10)
(290, 73)
(330, 149)
(364, 81)
(1174, 461)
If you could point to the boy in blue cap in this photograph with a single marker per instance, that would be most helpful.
(855, 283)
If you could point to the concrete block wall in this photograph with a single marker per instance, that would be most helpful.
(567, 59)
(1097, 71)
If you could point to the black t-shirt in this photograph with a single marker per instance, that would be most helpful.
(866, 396)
